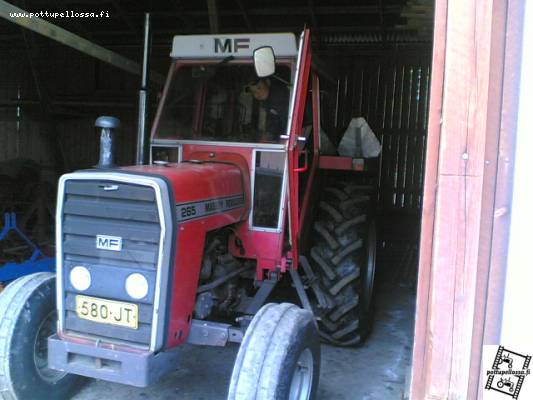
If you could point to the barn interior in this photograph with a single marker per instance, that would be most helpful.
(374, 58)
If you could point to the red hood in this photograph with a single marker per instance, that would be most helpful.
(193, 181)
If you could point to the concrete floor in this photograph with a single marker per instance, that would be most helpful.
(376, 370)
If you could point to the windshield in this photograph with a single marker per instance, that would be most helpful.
(224, 102)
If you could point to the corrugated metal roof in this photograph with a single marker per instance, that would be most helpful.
(372, 37)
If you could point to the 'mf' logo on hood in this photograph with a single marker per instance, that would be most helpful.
(231, 45)
(104, 242)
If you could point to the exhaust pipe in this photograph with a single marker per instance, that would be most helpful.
(107, 148)
(142, 129)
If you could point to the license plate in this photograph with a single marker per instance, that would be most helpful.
(107, 311)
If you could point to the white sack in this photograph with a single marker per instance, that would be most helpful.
(359, 141)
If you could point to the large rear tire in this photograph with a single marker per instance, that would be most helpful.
(279, 358)
(343, 258)
(27, 318)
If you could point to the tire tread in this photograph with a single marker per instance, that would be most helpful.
(12, 300)
(336, 257)
(259, 361)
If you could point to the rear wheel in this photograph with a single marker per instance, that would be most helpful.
(343, 258)
(27, 318)
(279, 358)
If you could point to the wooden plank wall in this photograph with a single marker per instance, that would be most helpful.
(390, 89)
(21, 137)
(85, 89)
(465, 117)
(82, 140)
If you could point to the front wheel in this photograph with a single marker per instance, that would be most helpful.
(27, 318)
(279, 358)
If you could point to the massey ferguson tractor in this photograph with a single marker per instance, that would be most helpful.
(240, 229)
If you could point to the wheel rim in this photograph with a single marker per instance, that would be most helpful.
(302, 379)
(40, 353)
(370, 266)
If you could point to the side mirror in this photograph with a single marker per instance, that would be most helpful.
(264, 62)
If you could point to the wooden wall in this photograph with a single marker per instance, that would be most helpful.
(80, 88)
(390, 89)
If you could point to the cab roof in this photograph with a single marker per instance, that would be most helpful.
(236, 45)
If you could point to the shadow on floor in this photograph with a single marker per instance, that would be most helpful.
(374, 371)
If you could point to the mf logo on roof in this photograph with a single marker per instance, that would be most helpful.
(231, 45)
(113, 243)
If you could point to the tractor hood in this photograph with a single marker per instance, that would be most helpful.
(203, 188)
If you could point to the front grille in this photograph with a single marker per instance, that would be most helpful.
(116, 209)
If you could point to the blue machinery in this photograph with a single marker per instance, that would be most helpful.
(38, 262)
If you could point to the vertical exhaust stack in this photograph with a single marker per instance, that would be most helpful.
(107, 148)
(142, 130)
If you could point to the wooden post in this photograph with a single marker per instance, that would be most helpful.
(456, 238)
(214, 18)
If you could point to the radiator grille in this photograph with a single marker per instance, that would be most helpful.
(115, 209)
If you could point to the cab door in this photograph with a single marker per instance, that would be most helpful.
(298, 102)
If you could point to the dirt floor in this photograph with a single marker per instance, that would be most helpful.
(375, 371)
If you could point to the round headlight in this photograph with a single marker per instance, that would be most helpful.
(136, 286)
(80, 278)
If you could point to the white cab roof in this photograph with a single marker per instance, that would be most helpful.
(237, 45)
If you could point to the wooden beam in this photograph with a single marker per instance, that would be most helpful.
(246, 16)
(74, 22)
(498, 190)
(127, 20)
(465, 116)
(70, 39)
(214, 18)
(321, 10)
(273, 11)
(312, 13)
(382, 22)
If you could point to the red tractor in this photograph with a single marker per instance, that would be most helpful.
(239, 204)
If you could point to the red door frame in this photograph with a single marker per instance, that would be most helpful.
(315, 98)
(300, 93)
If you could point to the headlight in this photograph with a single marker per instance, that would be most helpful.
(136, 286)
(80, 278)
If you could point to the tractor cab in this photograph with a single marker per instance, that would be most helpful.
(214, 93)
(234, 95)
